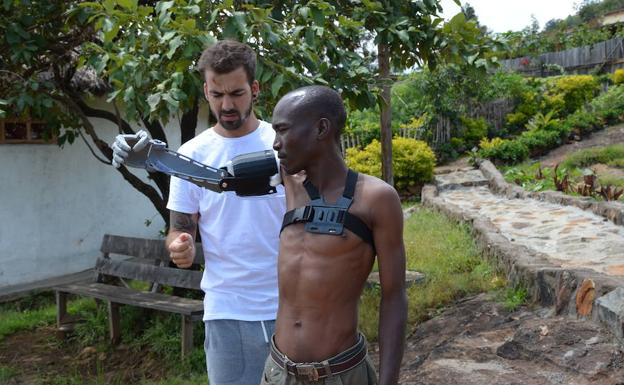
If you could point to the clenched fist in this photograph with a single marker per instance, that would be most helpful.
(182, 250)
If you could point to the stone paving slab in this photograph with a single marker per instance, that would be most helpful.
(569, 236)
(469, 177)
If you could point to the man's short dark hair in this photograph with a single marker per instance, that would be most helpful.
(324, 102)
(226, 56)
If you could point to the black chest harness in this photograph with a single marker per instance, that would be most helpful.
(323, 218)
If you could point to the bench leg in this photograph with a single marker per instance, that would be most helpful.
(61, 308)
(187, 335)
(113, 322)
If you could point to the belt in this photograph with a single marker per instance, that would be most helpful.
(314, 371)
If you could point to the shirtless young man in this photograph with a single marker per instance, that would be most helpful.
(322, 268)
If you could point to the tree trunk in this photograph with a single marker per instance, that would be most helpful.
(188, 124)
(383, 57)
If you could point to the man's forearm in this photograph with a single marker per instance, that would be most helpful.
(392, 319)
(181, 223)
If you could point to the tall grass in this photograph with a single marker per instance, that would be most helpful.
(446, 254)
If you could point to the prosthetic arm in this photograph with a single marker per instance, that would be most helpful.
(249, 174)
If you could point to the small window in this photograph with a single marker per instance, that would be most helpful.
(23, 131)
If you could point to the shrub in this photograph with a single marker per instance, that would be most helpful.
(609, 105)
(582, 122)
(458, 144)
(573, 90)
(539, 141)
(475, 130)
(543, 122)
(543, 133)
(528, 106)
(504, 151)
(618, 76)
(487, 144)
(412, 160)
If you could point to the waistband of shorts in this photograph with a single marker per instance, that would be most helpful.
(314, 371)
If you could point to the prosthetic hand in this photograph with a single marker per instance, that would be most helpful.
(255, 173)
(122, 149)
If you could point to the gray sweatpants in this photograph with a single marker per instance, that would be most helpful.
(236, 350)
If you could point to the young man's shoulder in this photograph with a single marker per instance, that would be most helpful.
(375, 187)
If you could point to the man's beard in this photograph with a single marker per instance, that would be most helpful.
(232, 125)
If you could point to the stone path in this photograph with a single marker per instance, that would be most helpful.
(568, 236)
(568, 251)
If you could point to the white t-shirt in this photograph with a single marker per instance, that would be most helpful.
(240, 235)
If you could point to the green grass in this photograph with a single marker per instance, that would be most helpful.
(513, 297)
(611, 154)
(6, 373)
(446, 253)
(617, 163)
(609, 180)
(15, 317)
(77, 379)
(193, 379)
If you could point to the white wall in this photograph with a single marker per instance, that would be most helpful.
(55, 205)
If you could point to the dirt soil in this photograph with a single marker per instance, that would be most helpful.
(40, 357)
(477, 342)
(608, 136)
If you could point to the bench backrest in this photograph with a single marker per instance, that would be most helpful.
(149, 262)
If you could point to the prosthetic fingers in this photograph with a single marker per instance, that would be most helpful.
(249, 174)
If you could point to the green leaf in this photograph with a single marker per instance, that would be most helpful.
(404, 36)
(192, 10)
(304, 12)
(164, 6)
(129, 95)
(112, 95)
(277, 84)
(12, 37)
(153, 101)
(109, 5)
(128, 4)
(318, 16)
(173, 46)
(171, 101)
(188, 25)
(167, 36)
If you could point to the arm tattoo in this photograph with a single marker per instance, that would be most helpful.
(183, 222)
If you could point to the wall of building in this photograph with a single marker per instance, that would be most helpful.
(56, 203)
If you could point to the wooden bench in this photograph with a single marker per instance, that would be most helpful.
(148, 261)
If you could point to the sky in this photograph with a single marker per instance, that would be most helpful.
(514, 15)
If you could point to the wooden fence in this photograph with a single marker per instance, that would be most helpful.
(603, 57)
(493, 112)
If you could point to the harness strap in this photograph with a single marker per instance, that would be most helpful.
(324, 218)
(348, 192)
(359, 228)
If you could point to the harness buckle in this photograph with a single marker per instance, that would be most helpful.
(307, 370)
(308, 212)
